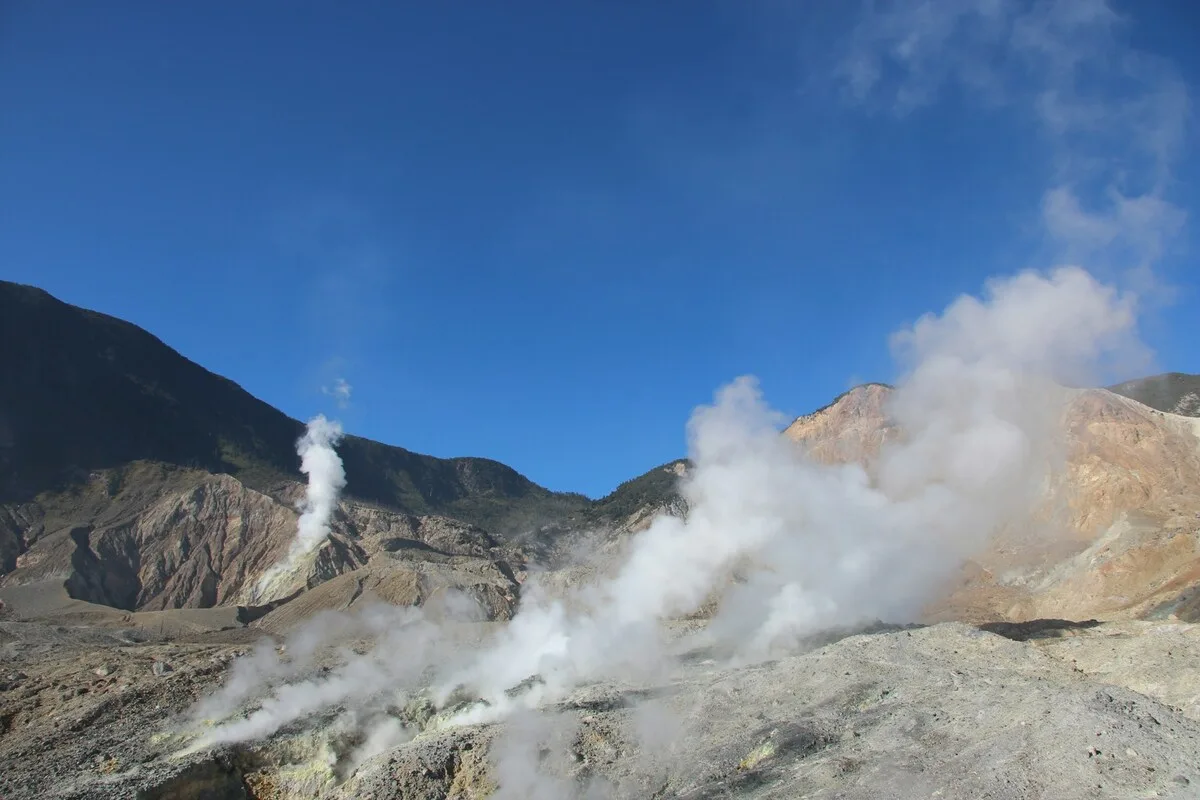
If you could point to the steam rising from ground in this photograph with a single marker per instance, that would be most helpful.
(789, 546)
(783, 547)
(817, 546)
(326, 479)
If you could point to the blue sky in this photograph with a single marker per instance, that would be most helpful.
(543, 232)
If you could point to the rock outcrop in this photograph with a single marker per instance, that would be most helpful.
(853, 428)
(1117, 535)
(171, 539)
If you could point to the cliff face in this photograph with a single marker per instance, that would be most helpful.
(169, 538)
(1118, 532)
(142, 481)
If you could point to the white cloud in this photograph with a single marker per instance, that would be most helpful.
(1113, 118)
(340, 392)
(1139, 228)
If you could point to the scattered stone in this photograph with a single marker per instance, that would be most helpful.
(103, 670)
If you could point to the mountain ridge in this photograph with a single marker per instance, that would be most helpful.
(1115, 530)
(134, 477)
(85, 391)
(127, 589)
(101, 423)
(1170, 392)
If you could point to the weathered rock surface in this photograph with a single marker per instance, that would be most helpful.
(1117, 535)
(1055, 710)
(84, 702)
(490, 591)
(168, 539)
(853, 428)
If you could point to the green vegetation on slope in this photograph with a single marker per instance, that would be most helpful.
(657, 487)
(1173, 392)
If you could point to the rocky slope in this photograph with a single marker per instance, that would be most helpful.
(203, 540)
(1055, 710)
(163, 486)
(83, 393)
(853, 428)
(141, 481)
(131, 543)
(1116, 535)
(1173, 392)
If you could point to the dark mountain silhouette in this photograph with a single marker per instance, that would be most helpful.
(83, 391)
(1173, 392)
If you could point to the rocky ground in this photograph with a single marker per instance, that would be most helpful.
(1032, 710)
(83, 702)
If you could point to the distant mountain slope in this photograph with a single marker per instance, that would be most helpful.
(81, 391)
(835, 426)
(151, 537)
(657, 488)
(1174, 392)
(1118, 531)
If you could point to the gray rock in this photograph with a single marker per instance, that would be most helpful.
(947, 711)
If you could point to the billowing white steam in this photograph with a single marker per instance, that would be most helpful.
(812, 546)
(326, 479)
(821, 546)
(788, 546)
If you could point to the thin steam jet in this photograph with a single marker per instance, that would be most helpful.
(326, 479)
(815, 546)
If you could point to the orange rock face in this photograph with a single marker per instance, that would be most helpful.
(1118, 530)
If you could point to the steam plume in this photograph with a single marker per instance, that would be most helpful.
(830, 546)
(815, 547)
(326, 479)
(787, 546)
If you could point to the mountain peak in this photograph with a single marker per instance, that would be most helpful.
(851, 428)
